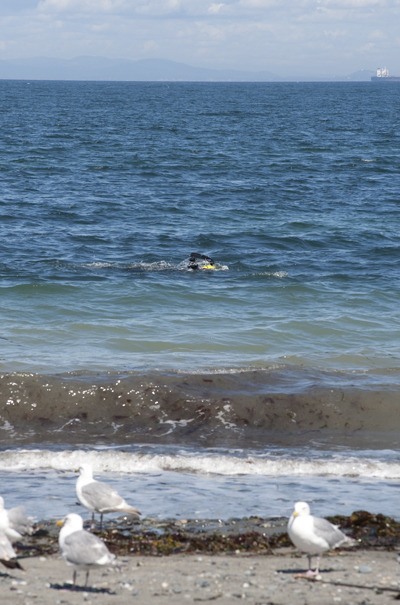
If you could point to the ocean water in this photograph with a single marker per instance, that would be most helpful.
(216, 393)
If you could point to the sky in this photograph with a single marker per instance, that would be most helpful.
(286, 37)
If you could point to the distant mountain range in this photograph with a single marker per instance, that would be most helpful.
(101, 68)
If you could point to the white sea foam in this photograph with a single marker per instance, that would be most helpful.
(110, 460)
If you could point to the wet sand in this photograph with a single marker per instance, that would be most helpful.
(352, 578)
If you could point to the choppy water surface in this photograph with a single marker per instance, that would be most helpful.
(294, 342)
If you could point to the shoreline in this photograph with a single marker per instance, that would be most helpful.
(253, 535)
(240, 560)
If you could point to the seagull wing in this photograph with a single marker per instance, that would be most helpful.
(20, 521)
(83, 548)
(101, 497)
(328, 532)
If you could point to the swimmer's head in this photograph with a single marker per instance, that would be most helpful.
(200, 261)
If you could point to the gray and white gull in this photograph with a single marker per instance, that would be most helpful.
(99, 497)
(314, 535)
(14, 522)
(80, 548)
(8, 556)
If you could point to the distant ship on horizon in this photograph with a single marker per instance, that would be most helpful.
(382, 75)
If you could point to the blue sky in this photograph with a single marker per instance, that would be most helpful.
(290, 37)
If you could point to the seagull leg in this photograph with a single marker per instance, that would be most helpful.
(311, 573)
(101, 521)
(87, 577)
(74, 577)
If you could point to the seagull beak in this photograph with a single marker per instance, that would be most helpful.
(60, 523)
(295, 514)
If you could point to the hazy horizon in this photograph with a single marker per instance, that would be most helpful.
(313, 39)
(152, 69)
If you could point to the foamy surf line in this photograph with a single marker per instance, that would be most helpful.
(367, 466)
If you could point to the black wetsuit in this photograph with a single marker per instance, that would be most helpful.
(195, 257)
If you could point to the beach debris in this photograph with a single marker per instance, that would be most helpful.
(314, 535)
(373, 529)
(80, 548)
(99, 497)
(247, 535)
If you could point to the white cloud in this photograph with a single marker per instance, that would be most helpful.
(150, 46)
(335, 34)
(214, 9)
(263, 4)
(108, 6)
(354, 3)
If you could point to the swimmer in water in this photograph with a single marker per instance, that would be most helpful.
(200, 262)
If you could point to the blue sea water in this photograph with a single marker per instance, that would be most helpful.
(292, 188)
(108, 187)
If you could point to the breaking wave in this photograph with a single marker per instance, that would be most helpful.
(365, 466)
(248, 408)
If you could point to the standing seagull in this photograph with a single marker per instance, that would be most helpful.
(80, 548)
(313, 535)
(14, 523)
(99, 497)
(7, 554)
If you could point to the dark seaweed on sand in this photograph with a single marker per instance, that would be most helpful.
(252, 535)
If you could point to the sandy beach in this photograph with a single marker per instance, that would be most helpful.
(352, 578)
(193, 561)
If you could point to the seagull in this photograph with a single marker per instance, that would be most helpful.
(99, 497)
(313, 535)
(80, 548)
(14, 523)
(8, 555)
